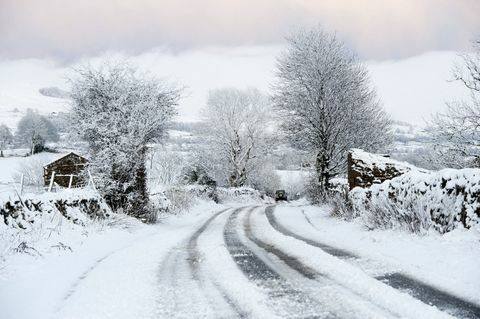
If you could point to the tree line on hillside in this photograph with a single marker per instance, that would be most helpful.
(322, 104)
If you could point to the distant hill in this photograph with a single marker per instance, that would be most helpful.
(54, 91)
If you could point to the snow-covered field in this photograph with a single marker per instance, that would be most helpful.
(253, 261)
(12, 167)
(110, 271)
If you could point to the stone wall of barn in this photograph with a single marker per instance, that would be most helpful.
(366, 169)
(68, 167)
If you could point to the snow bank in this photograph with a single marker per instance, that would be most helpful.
(417, 200)
(36, 218)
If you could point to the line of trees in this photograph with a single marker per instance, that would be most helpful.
(323, 95)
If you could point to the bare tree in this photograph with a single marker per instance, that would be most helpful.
(6, 137)
(326, 102)
(118, 111)
(234, 131)
(456, 132)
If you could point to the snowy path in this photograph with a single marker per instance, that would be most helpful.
(416, 288)
(244, 262)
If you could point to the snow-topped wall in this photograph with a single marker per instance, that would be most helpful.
(366, 169)
(417, 200)
(76, 206)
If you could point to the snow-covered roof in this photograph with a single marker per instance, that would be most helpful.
(381, 161)
(60, 156)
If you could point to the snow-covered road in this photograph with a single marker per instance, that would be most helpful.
(247, 262)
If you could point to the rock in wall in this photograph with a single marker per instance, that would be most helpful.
(366, 169)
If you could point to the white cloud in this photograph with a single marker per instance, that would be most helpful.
(410, 89)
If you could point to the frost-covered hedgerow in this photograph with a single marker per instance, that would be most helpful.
(416, 201)
(180, 199)
(239, 195)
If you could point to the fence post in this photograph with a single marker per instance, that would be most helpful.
(51, 181)
(70, 181)
(21, 184)
(91, 180)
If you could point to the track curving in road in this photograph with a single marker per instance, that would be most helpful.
(419, 290)
(186, 290)
(284, 296)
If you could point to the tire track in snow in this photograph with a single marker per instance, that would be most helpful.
(188, 256)
(82, 277)
(194, 262)
(417, 289)
(303, 269)
(286, 299)
(74, 286)
(328, 249)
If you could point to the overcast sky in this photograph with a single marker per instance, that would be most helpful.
(376, 29)
(408, 45)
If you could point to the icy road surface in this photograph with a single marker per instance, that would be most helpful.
(247, 262)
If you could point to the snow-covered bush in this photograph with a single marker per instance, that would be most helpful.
(265, 179)
(180, 198)
(196, 174)
(239, 195)
(118, 111)
(338, 199)
(417, 201)
(383, 213)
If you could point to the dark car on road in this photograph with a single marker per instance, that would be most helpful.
(280, 195)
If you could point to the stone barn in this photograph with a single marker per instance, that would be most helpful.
(67, 171)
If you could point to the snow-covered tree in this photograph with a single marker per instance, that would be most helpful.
(118, 112)
(235, 129)
(325, 98)
(265, 178)
(34, 130)
(456, 131)
(6, 137)
(165, 166)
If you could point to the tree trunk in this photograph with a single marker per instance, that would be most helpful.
(141, 175)
(322, 166)
(140, 196)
